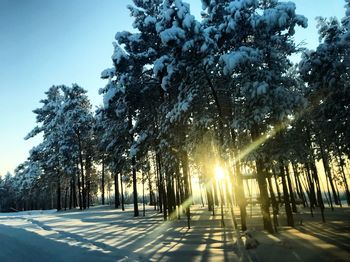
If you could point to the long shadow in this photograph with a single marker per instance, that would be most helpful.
(21, 245)
(333, 238)
(98, 239)
(198, 243)
(206, 241)
(335, 231)
(63, 235)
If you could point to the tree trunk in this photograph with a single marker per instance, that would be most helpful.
(239, 187)
(121, 191)
(346, 185)
(230, 202)
(291, 191)
(299, 188)
(274, 204)
(152, 201)
(71, 194)
(160, 196)
(327, 171)
(134, 184)
(264, 197)
(209, 197)
(170, 193)
(187, 201)
(116, 191)
(103, 181)
(277, 186)
(318, 188)
(88, 168)
(79, 192)
(290, 220)
(58, 206)
(88, 194)
(75, 200)
(82, 172)
(65, 198)
(178, 193)
(143, 195)
(241, 197)
(162, 193)
(310, 180)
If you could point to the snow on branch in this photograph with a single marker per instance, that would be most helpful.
(234, 59)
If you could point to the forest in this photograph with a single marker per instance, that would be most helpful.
(214, 111)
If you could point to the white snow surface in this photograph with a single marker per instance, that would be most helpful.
(105, 234)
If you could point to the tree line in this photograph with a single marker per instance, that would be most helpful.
(186, 96)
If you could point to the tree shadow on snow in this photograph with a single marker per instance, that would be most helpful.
(21, 245)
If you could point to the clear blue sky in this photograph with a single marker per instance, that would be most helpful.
(50, 42)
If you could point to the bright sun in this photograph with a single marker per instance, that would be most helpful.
(219, 173)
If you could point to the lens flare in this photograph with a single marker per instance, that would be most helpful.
(219, 173)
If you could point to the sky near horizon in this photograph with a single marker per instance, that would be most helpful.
(45, 43)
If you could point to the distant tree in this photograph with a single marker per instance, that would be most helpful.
(66, 122)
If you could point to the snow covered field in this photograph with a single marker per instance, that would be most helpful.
(105, 234)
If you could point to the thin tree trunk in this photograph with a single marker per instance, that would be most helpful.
(169, 193)
(133, 167)
(75, 200)
(178, 193)
(152, 201)
(201, 194)
(290, 220)
(159, 184)
(274, 204)
(318, 188)
(143, 195)
(65, 198)
(81, 171)
(162, 193)
(209, 198)
(58, 206)
(277, 186)
(292, 198)
(103, 181)
(241, 197)
(185, 171)
(116, 191)
(264, 197)
(88, 168)
(312, 195)
(230, 202)
(299, 188)
(346, 185)
(239, 187)
(121, 191)
(328, 171)
(329, 198)
(79, 193)
(88, 194)
(71, 194)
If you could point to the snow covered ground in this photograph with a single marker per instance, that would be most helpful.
(105, 234)
(309, 240)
